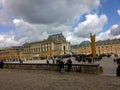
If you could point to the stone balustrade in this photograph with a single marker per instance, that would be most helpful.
(82, 68)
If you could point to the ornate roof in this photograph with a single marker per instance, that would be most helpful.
(98, 43)
(60, 35)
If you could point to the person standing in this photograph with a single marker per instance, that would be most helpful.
(118, 68)
(69, 64)
(53, 61)
(1, 64)
(47, 62)
(61, 66)
(21, 62)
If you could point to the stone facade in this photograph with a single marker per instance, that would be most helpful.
(54, 46)
(102, 47)
(10, 53)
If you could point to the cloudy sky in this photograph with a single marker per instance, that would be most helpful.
(33, 20)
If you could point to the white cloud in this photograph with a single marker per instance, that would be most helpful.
(104, 36)
(36, 32)
(76, 40)
(113, 32)
(7, 40)
(118, 11)
(92, 24)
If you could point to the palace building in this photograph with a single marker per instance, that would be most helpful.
(102, 47)
(10, 53)
(54, 45)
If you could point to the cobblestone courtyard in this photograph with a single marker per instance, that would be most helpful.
(13, 79)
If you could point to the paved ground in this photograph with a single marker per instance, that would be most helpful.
(13, 79)
(109, 66)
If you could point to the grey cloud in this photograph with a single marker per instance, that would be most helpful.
(3, 19)
(112, 33)
(49, 11)
(115, 30)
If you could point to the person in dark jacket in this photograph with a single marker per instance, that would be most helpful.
(118, 70)
(69, 64)
(48, 62)
(61, 66)
(1, 64)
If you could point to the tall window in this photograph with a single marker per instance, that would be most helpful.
(64, 48)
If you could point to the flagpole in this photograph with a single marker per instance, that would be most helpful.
(91, 45)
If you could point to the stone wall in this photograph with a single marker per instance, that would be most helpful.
(82, 68)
